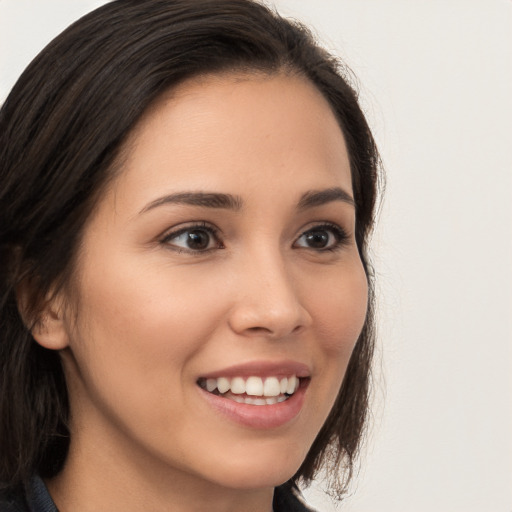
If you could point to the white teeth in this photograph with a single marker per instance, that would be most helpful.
(253, 401)
(272, 387)
(223, 384)
(238, 386)
(254, 386)
(292, 385)
(211, 384)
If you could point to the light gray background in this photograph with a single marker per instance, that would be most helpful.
(436, 85)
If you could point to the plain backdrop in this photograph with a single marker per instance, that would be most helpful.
(436, 83)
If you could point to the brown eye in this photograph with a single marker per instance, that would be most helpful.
(193, 239)
(322, 238)
(197, 239)
(317, 239)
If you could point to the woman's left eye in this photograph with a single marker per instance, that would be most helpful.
(322, 238)
(193, 239)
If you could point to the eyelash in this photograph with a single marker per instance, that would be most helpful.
(200, 226)
(340, 235)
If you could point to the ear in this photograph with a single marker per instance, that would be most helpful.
(48, 325)
(49, 330)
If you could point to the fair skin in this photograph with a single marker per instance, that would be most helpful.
(173, 288)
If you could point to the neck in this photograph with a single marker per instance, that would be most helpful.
(117, 480)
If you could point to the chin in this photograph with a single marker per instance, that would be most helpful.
(255, 471)
(256, 478)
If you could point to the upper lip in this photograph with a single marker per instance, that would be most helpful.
(262, 369)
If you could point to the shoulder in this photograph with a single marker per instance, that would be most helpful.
(13, 500)
(31, 497)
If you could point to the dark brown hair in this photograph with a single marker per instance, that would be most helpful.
(61, 131)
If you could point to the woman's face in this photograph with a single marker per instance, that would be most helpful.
(219, 267)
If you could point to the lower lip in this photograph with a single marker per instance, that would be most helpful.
(258, 416)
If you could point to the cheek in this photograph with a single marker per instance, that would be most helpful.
(149, 318)
(132, 341)
(340, 312)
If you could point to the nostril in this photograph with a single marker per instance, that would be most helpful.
(258, 330)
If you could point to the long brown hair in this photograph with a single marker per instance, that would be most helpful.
(61, 130)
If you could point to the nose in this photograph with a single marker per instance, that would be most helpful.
(268, 303)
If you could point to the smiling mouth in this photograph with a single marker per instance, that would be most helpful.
(253, 390)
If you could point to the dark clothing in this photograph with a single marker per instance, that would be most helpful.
(34, 497)
(286, 500)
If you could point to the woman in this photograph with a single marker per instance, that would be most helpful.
(186, 194)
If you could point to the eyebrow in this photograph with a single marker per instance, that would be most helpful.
(320, 197)
(310, 199)
(203, 199)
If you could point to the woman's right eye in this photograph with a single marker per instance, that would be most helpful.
(193, 239)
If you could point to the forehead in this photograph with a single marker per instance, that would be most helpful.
(235, 132)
